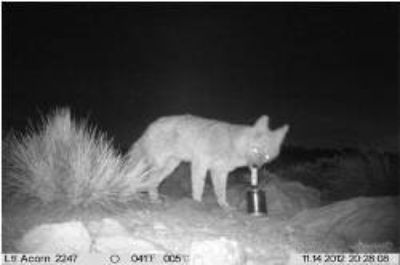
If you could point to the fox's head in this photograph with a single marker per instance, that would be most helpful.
(262, 144)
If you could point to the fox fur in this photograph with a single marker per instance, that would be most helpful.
(209, 145)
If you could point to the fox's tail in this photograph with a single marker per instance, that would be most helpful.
(136, 167)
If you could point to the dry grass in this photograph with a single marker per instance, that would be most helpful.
(63, 160)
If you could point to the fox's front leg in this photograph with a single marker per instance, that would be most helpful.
(199, 173)
(219, 178)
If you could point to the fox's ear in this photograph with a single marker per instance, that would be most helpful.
(262, 123)
(281, 132)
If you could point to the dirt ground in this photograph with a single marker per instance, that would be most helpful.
(181, 225)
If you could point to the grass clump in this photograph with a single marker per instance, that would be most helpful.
(63, 160)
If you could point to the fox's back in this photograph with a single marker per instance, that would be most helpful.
(184, 135)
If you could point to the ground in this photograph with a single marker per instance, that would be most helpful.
(181, 225)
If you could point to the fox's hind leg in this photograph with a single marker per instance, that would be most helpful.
(159, 175)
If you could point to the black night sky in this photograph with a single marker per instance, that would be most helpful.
(329, 70)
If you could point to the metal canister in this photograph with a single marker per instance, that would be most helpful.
(256, 201)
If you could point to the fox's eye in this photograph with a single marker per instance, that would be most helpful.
(267, 157)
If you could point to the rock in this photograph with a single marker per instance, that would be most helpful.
(111, 237)
(367, 220)
(71, 237)
(217, 251)
(106, 227)
(124, 244)
(289, 197)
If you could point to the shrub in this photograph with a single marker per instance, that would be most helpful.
(364, 172)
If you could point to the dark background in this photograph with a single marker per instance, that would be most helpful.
(329, 70)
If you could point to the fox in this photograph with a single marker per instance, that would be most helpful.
(208, 145)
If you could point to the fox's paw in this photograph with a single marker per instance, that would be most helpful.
(226, 207)
(155, 197)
